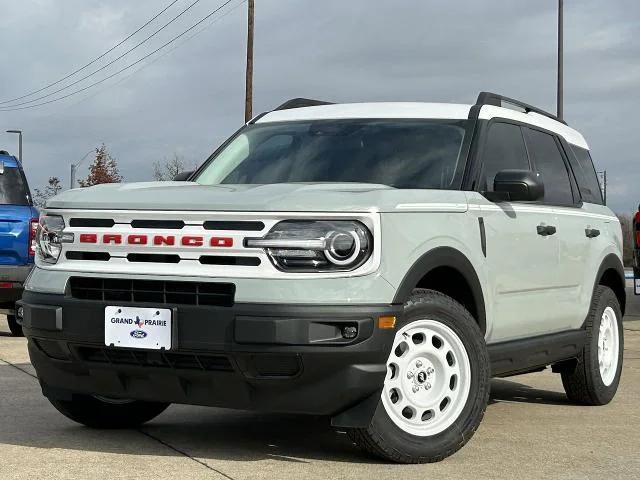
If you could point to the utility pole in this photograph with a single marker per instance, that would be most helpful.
(19, 132)
(248, 99)
(560, 98)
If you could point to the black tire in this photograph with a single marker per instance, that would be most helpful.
(582, 379)
(14, 327)
(96, 413)
(383, 438)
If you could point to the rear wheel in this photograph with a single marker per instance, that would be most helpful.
(108, 413)
(437, 385)
(594, 378)
(14, 327)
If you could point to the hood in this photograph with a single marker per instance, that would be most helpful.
(279, 197)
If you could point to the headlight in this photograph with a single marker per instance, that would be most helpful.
(50, 238)
(316, 245)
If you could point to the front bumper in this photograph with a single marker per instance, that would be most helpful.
(267, 357)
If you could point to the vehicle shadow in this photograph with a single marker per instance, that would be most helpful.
(510, 391)
(204, 433)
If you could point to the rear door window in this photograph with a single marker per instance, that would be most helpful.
(549, 163)
(585, 174)
(504, 150)
(13, 187)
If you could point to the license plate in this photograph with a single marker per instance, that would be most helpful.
(133, 327)
(637, 286)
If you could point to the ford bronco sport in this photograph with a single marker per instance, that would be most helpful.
(18, 222)
(374, 263)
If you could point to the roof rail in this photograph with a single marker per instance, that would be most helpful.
(497, 100)
(301, 102)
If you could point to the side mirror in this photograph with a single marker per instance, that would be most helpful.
(517, 186)
(182, 176)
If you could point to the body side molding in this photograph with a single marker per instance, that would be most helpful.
(520, 356)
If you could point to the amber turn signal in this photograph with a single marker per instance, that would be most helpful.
(387, 322)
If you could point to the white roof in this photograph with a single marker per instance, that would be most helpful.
(420, 110)
(569, 134)
(370, 110)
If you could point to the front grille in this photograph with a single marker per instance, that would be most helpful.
(229, 260)
(252, 226)
(92, 222)
(93, 256)
(155, 291)
(153, 258)
(170, 224)
(158, 359)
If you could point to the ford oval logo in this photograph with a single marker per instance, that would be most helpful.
(138, 334)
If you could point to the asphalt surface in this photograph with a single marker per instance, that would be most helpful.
(633, 301)
(530, 431)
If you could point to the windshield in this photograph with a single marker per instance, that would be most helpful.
(397, 153)
(13, 188)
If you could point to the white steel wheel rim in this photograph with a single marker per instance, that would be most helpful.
(428, 378)
(608, 346)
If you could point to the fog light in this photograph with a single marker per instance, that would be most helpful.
(20, 312)
(349, 332)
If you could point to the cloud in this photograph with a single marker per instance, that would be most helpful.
(191, 99)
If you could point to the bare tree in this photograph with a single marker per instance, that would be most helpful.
(168, 168)
(53, 187)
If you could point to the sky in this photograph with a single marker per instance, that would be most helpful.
(189, 97)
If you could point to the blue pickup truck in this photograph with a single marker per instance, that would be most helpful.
(18, 223)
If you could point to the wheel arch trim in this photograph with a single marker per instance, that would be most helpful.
(613, 262)
(444, 257)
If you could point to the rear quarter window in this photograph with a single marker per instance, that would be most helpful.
(13, 187)
(545, 152)
(585, 174)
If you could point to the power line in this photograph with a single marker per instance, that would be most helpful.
(94, 60)
(159, 57)
(11, 109)
(108, 64)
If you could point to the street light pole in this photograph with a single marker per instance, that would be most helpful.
(74, 167)
(19, 132)
(560, 98)
(73, 176)
(248, 97)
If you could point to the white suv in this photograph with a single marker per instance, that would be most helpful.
(375, 263)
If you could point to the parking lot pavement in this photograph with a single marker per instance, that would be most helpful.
(529, 431)
(633, 302)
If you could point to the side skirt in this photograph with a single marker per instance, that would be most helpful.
(520, 356)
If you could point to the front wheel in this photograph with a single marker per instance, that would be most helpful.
(437, 385)
(108, 413)
(14, 327)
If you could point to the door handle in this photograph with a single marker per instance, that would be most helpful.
(592, 232)
(546, 230)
